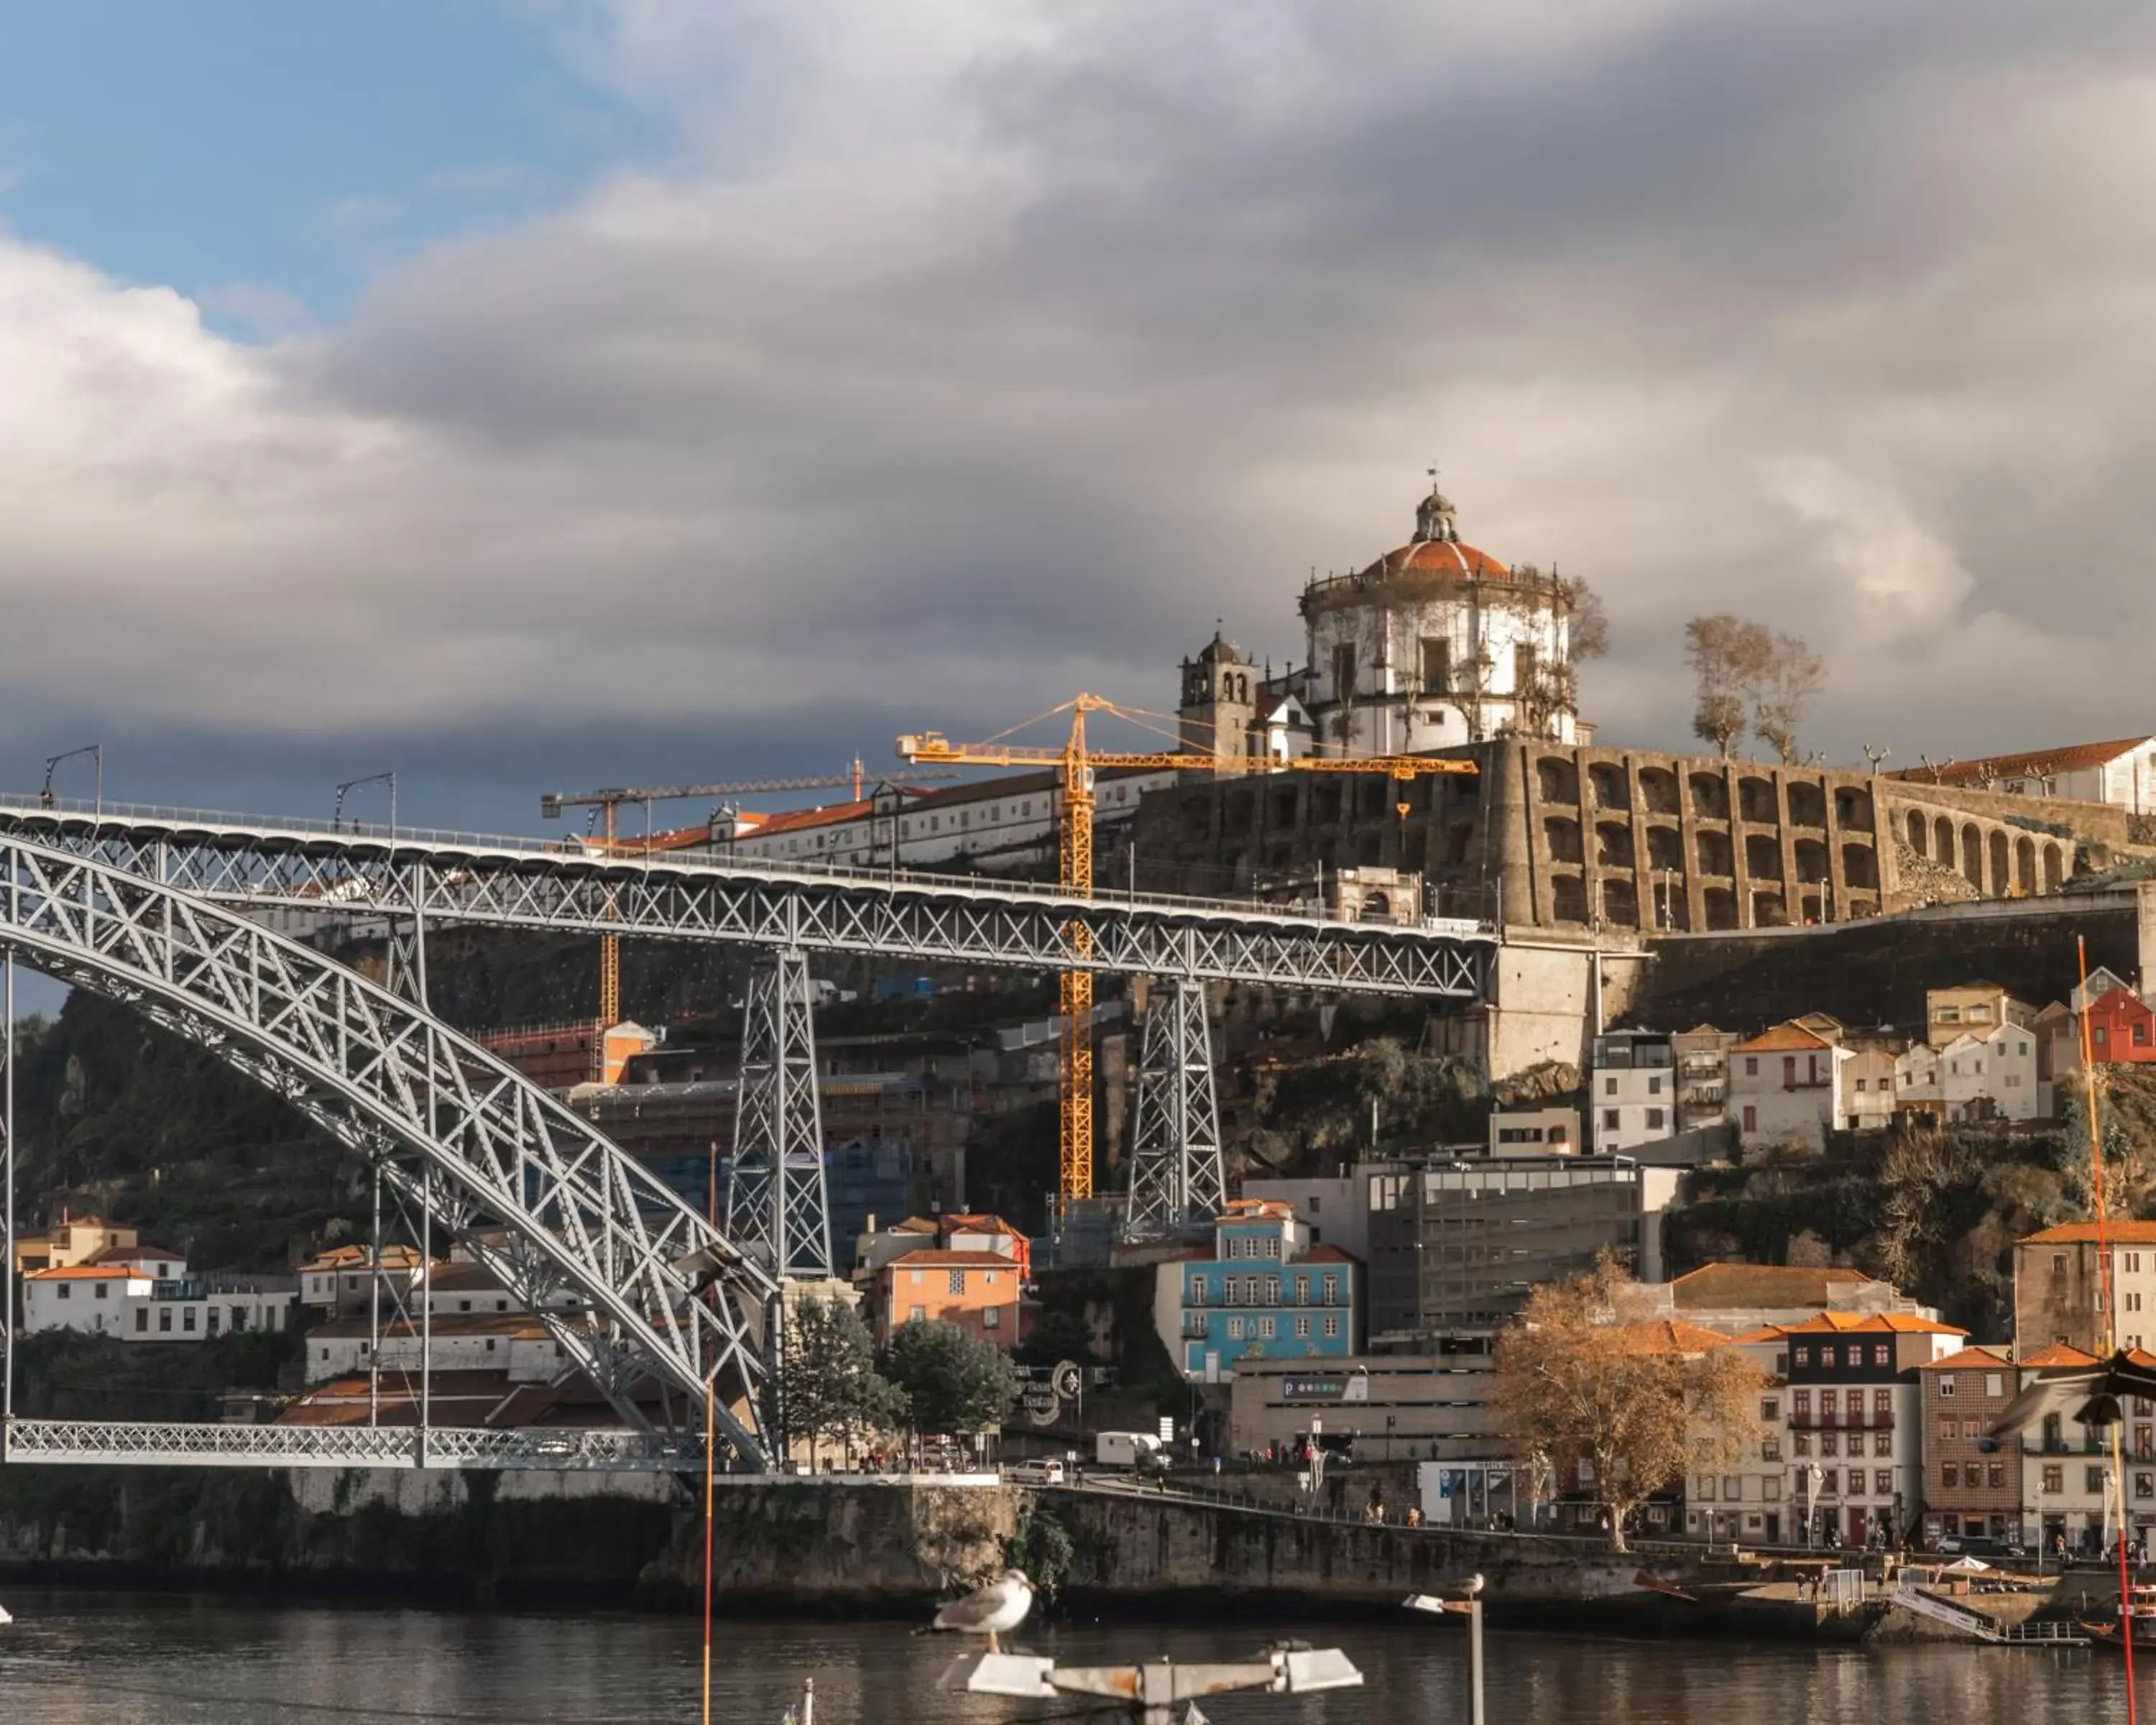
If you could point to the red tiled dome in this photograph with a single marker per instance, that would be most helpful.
(1439, 556)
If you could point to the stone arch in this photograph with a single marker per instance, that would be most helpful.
(2055, 870)
(1460, 839)
(2001, 885)
(1325, 803)
(1920, 832)
(1943, 842)
(1665, 849)
(1620, 903)
(1611, 790)
(1718, 905)
(1972, 855)
(1852, 807)
(1762, 857)
(1561, 834)
(1557, 778)
(1859, 867)
(2024, 865)
(1769, 911)
(1613, 841)
(1286, 799)
(1567, 898)
(1377, 907)
(1756, 800)
(1658, 789)
(1716, 856)
(1710, 797)
(1807, 804)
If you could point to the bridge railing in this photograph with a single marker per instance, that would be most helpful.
(174, 1445)
(17, 806)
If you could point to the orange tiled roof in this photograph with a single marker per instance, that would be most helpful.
(2031, 763)
(1881, 1323)
(80, 1272)
(1968, 1359)
(1729, 1285)
(1770, 1332)
(981, 1222)
(926, 1257)
(2058, 1354)
(1782, 1037)
(1672, 1336)
(2070, 1233)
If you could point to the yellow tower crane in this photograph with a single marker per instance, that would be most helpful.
(1075, 763)
(606, 805)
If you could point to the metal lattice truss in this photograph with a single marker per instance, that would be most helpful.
(314, 875)
(531, 1190)
(778, 1210)
(1177, 1180)
(151, 1444)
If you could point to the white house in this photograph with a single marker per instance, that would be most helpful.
(1868, 1084)
(1635, 1091)
(2121, 773)
(512, 1342)
(342, 1279)
(1992, 1076)
(118, 1300)
(1785, 1086)
(1917, 1079)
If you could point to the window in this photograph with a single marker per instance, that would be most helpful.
(1946, 1386)
(1994, 1475)
(992, 1318)
(1946, 1431)
(1972, 1430)
(1302, 1329)
(1883, 1443)
(1655, 1119)
(142, 1321)
(958, 1281)
(1950, 1476)
(100, 1289)
(66, 1292)
(1801, 1444)
(1196, 1291)
(165, 1321)
(1771, 1488)
(2133, 1298)
(1234, 1329)
(1272, 1290)
(1829, 1443)
(1610, 1119)
(1994, 1383)
(1882, 1405)
(1751, 1118)
(1706, 1488)
(1803, 1357)
(1436, 665)
(1609, 1086)
(2055, 1480)
(1770, 1407)
(1826, 1359)
(1733, 1489)
(1265, 1329)
(2092, 1481)
(1882, 1481)
(1331, 1293)
(2144, 1485)
(1751, 1065)
(1302, 1291)
(1249, 1291)
(1770, 1448)
(1332, 1327)
(1830, 1483)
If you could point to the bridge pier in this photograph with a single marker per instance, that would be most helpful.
(1177, 1179)
(777, 1206)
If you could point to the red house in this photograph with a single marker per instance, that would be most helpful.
(2121, 1029)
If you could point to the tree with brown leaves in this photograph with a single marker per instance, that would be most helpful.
(1629, 1405)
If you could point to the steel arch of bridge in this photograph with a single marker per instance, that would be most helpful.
(448, 1122)
(511, 883)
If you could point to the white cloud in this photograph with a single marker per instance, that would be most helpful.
(976, 354)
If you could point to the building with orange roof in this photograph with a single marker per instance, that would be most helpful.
(2122, 772)
(2065, 1466)
(69, 1240)
(127, 1303)
(2058, 1289)
(1264, 1290)
(1785, 1086)
(1851, 1408)
(1739, 1298)
(1972, 1487)
(981, 1292)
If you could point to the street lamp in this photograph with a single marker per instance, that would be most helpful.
(344, 790)
(1814, 1474)
(94, 749)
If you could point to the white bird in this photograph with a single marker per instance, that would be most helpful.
(2090, 1394)
(1001, 1606)
(5, 1620)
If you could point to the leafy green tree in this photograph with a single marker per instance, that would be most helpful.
(950, 1382)
(834, 1393)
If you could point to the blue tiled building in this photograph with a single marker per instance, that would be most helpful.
(1264, 1292)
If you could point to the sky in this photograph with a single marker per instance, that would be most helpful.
(528, 394)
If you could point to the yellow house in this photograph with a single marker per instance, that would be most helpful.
(71, 1241)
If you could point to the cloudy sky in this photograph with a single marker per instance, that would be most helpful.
(524, 393)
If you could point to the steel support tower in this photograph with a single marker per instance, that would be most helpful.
(777, 1207)
(1177, 1180)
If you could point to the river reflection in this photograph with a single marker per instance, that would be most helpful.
(71, 1659)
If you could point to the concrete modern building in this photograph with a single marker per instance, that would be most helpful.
(1460, 1247)
(1632, 1090)
(1436, 1405)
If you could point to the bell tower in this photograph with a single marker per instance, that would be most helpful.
(1221, 692)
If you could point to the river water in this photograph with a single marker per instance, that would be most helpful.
(80, 1659)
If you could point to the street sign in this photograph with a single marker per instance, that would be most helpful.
(1167, 1429)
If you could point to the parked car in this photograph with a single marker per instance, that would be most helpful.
(1045, 1471)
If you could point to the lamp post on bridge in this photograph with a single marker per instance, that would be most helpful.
(344, 790)
(96, 751)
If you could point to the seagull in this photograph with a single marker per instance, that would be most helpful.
(1003, 1604)
(2088, 1394)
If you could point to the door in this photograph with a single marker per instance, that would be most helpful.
(1774, 1530)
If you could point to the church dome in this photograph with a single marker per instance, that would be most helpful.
(1439, 556)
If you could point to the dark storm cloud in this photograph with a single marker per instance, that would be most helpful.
(980, 355)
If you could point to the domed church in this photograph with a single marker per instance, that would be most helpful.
(1436, 645)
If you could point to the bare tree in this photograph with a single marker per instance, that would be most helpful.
(1794, 675)
(1729, 658)
(1588, 635)
(1628, 1404)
